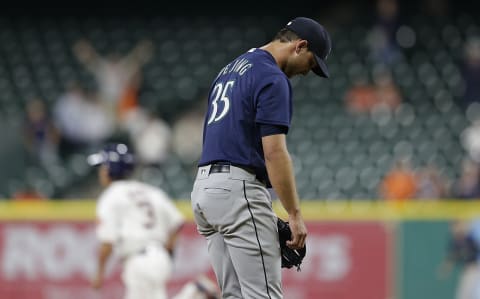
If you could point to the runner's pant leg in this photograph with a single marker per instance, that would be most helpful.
(145, 275)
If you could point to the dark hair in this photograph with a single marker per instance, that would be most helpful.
(286, 35)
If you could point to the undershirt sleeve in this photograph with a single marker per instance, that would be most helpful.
(268, 129)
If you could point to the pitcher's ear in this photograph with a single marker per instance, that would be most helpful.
(301, 44)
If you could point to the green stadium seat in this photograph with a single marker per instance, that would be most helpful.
(337, 155)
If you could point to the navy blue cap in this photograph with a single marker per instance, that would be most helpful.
(318, 41)
(116, 156)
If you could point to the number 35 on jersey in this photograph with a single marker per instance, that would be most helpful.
(221, 101)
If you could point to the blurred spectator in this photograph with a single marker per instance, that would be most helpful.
(387, 92)
(188, 134)
(29, 193)
(431, 184)
(129, 100)
(470, 140)
(464, 250)
(40, 135)
(363, 97)
(399, 183)
(118, 77)
(471, 72)
(382, 36)
(150, 136)
(82, 120)
(435, 8)
(467, 186)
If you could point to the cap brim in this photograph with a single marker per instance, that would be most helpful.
(95, 159)
(321, 69)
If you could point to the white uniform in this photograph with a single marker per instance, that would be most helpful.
(200, 288)
(137, 219)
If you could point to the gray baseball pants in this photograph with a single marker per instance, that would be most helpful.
(233, 210)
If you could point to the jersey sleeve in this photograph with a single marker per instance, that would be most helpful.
(107, 226)
(274, 101)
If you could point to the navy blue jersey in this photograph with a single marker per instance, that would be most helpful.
(248, 92)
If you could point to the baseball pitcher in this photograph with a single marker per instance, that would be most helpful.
(245, 152)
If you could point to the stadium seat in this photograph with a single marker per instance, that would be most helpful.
(336, 154)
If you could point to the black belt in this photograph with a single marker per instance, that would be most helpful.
(223, 167)
(220, 168)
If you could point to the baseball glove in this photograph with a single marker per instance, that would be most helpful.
(290, 257)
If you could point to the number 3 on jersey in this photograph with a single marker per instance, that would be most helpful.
(221, 93)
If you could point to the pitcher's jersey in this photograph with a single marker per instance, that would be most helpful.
(249, 91)
(132, 215)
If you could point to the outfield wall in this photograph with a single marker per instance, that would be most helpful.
(362, 250)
